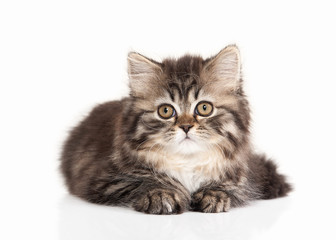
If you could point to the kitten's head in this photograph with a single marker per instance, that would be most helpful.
(188, 105)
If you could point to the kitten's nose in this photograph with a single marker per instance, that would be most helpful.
(186, 128)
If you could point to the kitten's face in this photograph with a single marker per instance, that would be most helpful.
(189, 105)
(190, 123)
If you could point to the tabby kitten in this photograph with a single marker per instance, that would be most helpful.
(179, 142)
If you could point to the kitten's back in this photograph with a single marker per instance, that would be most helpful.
(90, 144)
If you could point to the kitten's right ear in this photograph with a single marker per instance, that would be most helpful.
(143, 74)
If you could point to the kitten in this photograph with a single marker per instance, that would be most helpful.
(179, 142)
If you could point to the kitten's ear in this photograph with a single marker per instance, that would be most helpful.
(143, 74)
(225, 68)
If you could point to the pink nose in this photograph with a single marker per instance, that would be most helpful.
(186, 128)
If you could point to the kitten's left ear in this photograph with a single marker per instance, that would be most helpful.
(143, 75)
(224, 69)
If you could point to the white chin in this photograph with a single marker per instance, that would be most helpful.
(187, 146)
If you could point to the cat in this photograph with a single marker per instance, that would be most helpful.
(179, 142)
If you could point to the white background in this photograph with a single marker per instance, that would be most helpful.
(60, 58)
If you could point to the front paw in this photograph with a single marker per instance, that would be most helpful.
(161, 201)
(211, 201)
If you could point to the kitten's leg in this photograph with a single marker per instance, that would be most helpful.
(211, 200)
(161, 201)
(264, 176)
(263, 182)
(220, 197)
(143, 191)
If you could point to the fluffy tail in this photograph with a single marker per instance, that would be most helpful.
(264, 175)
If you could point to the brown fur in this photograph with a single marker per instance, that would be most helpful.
(120, 153)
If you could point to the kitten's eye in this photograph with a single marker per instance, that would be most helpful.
(204, 109)
(166, 111)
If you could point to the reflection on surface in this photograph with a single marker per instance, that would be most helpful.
(81, 220)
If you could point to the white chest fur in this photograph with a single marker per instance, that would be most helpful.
(189, 177)
(190, 170)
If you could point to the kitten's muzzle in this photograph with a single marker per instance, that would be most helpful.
(186, 127)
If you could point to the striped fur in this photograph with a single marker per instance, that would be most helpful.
(125, 154)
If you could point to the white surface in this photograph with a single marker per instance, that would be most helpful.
(59, 58)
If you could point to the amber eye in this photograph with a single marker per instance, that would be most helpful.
(166, 111)
(204, 109)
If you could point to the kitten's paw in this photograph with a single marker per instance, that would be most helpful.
(211, 201)
(161, 201)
